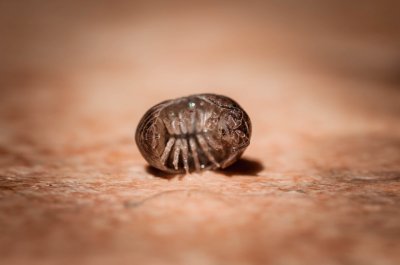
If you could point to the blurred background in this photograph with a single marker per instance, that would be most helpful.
(320, 80)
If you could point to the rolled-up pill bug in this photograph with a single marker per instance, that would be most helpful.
(194, 133)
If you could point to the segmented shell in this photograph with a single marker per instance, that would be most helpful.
(204, 131)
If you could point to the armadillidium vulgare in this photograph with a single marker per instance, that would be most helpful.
(204, 131)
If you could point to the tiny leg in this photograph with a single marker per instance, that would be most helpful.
(193, 148)
(185, 155)
(206, 149)
(177, 149)
(167, 150)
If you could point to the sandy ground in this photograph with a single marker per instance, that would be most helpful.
(319, 184)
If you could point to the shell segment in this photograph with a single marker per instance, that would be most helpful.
(193, 133)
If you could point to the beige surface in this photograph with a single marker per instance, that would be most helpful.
(319, 183)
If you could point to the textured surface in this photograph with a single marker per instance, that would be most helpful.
(320, 183)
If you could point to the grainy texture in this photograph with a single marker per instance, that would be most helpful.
(320, 183)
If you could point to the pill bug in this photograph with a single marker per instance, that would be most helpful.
(194, 133)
